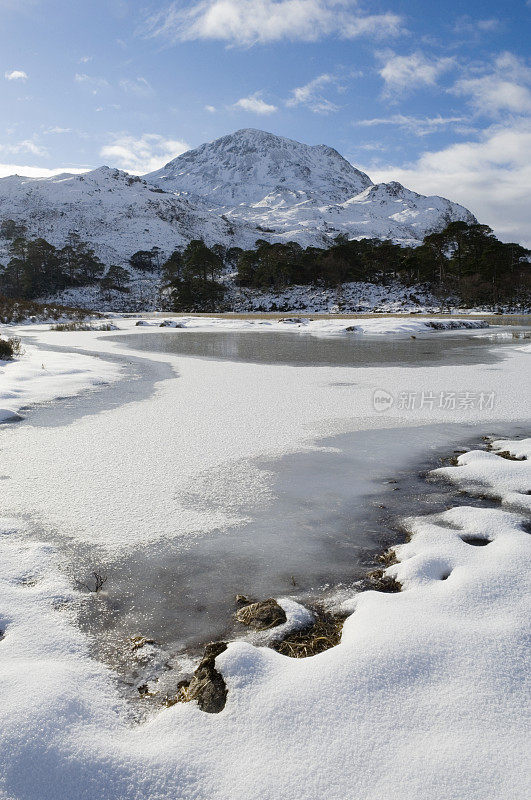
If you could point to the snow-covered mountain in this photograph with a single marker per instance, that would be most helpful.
(244, 186)
(258, 168)
(116, 212)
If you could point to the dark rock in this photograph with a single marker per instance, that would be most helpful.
(169, 323)
(263, 615)
(207, 685)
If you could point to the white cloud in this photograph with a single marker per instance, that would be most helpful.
(255, 104)
(56, 129)
(210, 109)
(420, 126)
(145, 154)
(37, 172)
(85, 59)
(488, 24)
(247, 22)
(16, 75)
(468, 25)
(310, 95)
(491, 177)
(505, 87)
(137, 86)
(402, 73)
(25, 146)
(94, 84)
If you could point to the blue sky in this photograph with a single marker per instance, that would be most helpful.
(435, 95)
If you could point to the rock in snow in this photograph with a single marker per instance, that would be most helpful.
(246, 186)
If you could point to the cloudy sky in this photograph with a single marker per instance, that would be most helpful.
(435, 95)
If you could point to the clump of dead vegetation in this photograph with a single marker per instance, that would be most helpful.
(10, 348)
(380, 582)
(388, 557)
(509, 456)
(15, 311)
(82, 326)
(260, 615)
(99, 581)
(324, 633)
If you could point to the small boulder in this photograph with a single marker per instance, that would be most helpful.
(207, 685)
(263, 615)
(171, 323)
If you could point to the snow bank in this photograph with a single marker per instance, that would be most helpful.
(393, 326)
(424, 697)
(41, 375)
(388, 326)
(487, 474)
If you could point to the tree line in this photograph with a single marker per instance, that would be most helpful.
(36, 268)
(464, 260)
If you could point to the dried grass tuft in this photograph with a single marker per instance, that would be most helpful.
(322, 635)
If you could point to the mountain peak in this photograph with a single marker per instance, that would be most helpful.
(245, 166)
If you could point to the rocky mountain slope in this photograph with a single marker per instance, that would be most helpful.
(244, 186)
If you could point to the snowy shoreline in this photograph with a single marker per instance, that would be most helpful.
(425, 694)
(35, 376)
(453, 662)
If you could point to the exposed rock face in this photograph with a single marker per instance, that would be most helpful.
(263, 615)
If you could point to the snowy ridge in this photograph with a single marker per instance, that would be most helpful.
(235, 190)
(115, 212)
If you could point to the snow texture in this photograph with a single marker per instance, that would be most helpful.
(485, 473)
(37, 377)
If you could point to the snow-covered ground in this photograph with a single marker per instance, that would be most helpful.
(144, 294)
(38, 376)
(426, 694)
(354, 297)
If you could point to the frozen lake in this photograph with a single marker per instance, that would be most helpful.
(327, 512)
(301, 349)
